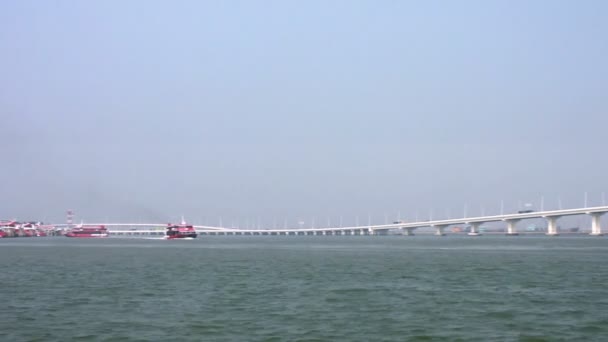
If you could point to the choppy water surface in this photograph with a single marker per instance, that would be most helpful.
(305, 289)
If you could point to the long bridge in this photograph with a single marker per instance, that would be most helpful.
(440, 226)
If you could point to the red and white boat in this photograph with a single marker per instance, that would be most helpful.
(88, 232)
(180, 231)
(8, 223)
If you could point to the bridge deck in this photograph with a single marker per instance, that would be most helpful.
(159, 228)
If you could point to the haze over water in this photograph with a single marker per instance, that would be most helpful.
(148, 110)
(305, 289)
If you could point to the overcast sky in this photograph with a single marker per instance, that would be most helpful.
(147, 110)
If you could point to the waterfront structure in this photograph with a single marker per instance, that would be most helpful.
(408, 228)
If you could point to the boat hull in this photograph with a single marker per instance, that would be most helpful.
(185, 237)
(87, 235)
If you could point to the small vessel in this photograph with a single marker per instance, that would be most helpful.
(180, 231)
(474, 234)
(88, 232)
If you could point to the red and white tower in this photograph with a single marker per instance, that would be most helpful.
(69, 218)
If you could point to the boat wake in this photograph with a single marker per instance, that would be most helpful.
(173, 239)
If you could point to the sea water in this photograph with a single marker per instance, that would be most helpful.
(305, 288)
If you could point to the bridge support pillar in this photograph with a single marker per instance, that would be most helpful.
(440, 230)
(552, 225)
(511, 227)
(596, 228)
(475, 229)
(408, 231)
(369, 231)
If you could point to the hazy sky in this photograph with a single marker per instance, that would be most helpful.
(147, 110)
